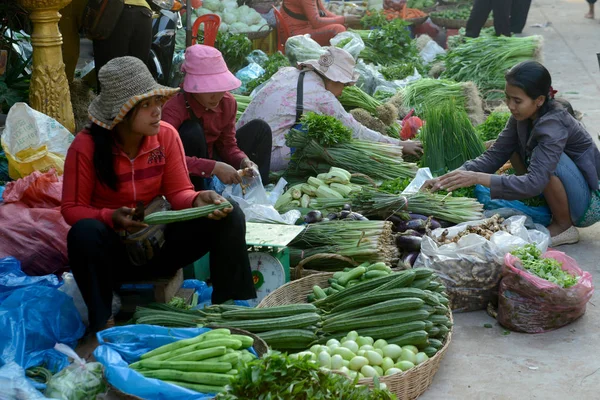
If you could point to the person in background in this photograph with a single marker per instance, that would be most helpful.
(590, 13)
(310, 16)
(128, 156)
(550, 150)
(69, 26)
(132, 36)
(481, 12)
(315, 85)
(204, 113)
(518, 15)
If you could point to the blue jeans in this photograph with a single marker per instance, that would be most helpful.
(577, 188)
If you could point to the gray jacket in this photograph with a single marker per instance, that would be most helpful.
(540, 146)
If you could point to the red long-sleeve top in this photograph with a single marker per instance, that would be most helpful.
(310, 9)
(158, 169)
(219, 131)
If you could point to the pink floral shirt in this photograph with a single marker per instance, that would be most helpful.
(276, 105)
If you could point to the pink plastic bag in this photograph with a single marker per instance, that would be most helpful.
(530, 304)
(32, 228)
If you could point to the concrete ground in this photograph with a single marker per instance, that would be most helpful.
(486, 364)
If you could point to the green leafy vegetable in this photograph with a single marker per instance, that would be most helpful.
(400, 71)
(278, 376)
(272, 65)
(234, 47)
(325, 129)
(545, 268)
(389, 44)
(493, 125)
(394, 186)
(180, 303)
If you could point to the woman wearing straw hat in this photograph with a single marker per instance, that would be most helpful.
(314, 86)
(204, 113)
(129, 156)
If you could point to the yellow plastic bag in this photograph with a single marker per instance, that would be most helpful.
(33, 141)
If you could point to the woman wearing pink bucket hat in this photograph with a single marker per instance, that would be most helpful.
(204, 113)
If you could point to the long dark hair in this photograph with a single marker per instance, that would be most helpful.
(534, 79)
(103, 156)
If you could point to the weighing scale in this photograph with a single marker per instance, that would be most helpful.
(269, 256)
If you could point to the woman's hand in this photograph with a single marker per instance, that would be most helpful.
(414, 148)
(207, 197)
(122, 219)
(226, 173)
(352, 21)
(248, 167)
(457, 179)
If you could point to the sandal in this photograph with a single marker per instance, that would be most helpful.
(569, 236)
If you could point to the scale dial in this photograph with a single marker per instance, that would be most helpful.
(268, 274)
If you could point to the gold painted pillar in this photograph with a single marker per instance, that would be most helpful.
(49, 90)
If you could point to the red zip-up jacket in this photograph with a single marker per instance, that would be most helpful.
(158, 169)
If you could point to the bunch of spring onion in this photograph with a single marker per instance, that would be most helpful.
(361, 241)
(370, 112)
(355, 97)
(449, 139)
(374, 202)
(242, 103)
(427, 93)
(485, 60)
(377, 160)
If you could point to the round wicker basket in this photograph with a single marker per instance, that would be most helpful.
(406, 385)
(456, 23)
(417, 21)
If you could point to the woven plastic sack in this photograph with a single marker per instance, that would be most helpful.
(33, 141)
(530, 304)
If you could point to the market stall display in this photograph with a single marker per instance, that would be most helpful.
(234, 18)
(454, 17)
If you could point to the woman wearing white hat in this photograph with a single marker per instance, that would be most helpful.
(314, 86)
(127, 157)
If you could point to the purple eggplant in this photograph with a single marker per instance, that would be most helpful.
(434, 223)
(414, 224)
(411, 232)
(332, 216)
(410, 258)
(408, 242)
(347, 207)
(313, 216)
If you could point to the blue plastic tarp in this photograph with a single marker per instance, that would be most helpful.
(11, 278)
(539, 215)
(33, 320)
(123, 345)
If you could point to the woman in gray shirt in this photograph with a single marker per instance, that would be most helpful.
(551, 151)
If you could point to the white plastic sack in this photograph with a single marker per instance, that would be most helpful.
(422, 175)
(34, 141)
(471, 268)
(69, 287)
(431, 51)
(256, 204)
(354, 46)
(14, 384)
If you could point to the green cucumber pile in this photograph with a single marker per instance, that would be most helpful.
(350, 277)
(205, 363)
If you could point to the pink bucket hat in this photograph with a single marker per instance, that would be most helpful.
(206, 71)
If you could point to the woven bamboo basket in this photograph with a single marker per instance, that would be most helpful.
(300, 272)
(406, 385)
(417, 21)
(260, 346)
(456, 23)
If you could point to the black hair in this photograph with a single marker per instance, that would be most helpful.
(534, 79)
(103, 156)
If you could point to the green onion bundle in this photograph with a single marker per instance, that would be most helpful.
(374, 202)
(377, 160)
(449, 139)
(361, 241)
(242, 103)
(355, 97)
(485, 60)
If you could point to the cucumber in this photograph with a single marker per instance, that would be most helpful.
(355, 273)
(415, 338)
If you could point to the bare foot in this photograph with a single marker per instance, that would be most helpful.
(556, 229)
(87, 345)
(589, 16)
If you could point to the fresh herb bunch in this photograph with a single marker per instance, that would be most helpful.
(401, 71)
(374, 20)
(420, 4)
(461, 192)
(278, 376)
(235, 48)
(394, 186)
(388, 44)
(179, 302)
(325, 129)
(493, 125)
(545, 268)
(343, 43)
(272, 65)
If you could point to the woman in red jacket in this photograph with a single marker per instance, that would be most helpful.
(309, 16)
(126, 157)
